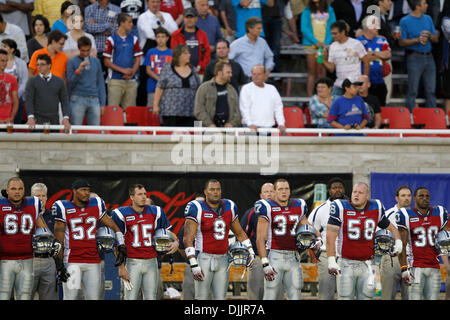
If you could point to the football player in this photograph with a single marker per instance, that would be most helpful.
(319, 219)
(19, 216)
(355, 221)
(209, 223)
(278, 220)
(249, 222)
(76, 223)
(44, 268)
(419, 226)
(138, 222)
(391, 275)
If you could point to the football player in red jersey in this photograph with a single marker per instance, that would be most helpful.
(209, 223)
(419, 226)
(355, 222)
(19, 216)
(76, 223)
(278, 220)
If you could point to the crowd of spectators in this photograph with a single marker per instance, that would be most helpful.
(64, 61)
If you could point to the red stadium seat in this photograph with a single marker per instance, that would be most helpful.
(293, 117)
(141, 116)
(433, 118)
(399, 117)
(113, 116)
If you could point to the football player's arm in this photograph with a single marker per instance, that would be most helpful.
(332, 234)
(238, 231)
(394, 231)
(40, 223)
(174, 244)
(261, 236)
(107, 221)
(190, 229)
(402, 256)
(59, 231)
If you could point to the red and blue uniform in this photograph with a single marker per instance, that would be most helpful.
(283, 221)
(17, 225)
(213, 226)
(81, 227)
(357, 227)
(138, 229)
(422, 231)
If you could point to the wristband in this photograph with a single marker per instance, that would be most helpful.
(403, 268)
(190, 251)
(119, 238)
(264, 262)
(247, 243)
(193, 262)
(77, 72)
(252, 252)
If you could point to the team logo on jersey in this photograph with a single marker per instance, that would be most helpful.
(71, 210)
(351, 213)
(130, 218)
(6, 208)
(414, 219)
(276, 209)
(208, 215)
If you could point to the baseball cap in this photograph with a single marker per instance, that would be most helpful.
(80, 183)
(190, 12)
(349, 81)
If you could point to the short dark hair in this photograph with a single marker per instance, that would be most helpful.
(65, 5)
(397, 192)
(224, 41)
(335, 180)
(252, 22)
(43, 19)
(1, 18)
(56, 35)
(84, 42)
(325, 80)
(341, 25)
(212, 181)
(3, 52)
(219, 66)
(133, 187)
(277, 181)
(13, 45)
(420, 188)
(161, 30)
(122, 17)
(44, 57)
(414, 3)
(176, 53)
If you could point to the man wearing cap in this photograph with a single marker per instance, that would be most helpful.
(76, 224)
(196, 39)
(349, 111)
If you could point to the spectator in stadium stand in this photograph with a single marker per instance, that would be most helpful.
(445, 83)
(378, 51)
(63, 24)
(195, 38)
(316, 21)
(122, 56)
(251, 49)
(39, 27)
(56, 41)
(246, 9)
(51, 9)
(18, 68)
(344, 56)
(9, 100)
(238, 77)
(228, 18)
(44, 93)
(101, 21)
(86, 85)
(350, 11)
(209, 24)
(349, 110)
(71, 44)
(417, 34)
(11, 31)
(260, 103)
(16, 12)
(216, 101)
(372, 103)
(175, 8)
(175, 90)
(320, 103)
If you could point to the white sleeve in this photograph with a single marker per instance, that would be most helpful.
(244, 104)
(169, 24)
(278, 107)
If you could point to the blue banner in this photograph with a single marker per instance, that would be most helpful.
(383, 186)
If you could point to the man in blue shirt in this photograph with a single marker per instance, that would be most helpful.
(417, 32)
(208, 23)
(86, 86)
(348, 111)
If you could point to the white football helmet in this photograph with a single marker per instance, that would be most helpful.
(105, 239)
(44, 243)
(305, 237)
(384, 242)
(238, 254)
(442, 242)
(161, 240)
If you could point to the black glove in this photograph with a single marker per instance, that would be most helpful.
(61, 271)
(121, 255)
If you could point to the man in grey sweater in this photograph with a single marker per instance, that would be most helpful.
(43, 94)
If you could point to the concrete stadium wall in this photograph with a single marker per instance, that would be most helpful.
(163, 153)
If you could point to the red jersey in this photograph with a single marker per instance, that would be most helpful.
(17, 225)
(357, 227)
(80, 245)
(8, 84)
(213, 226)
(283, 221)
(139, 228)
(422, 231)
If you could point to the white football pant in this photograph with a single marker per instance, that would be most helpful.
(354, 280)
(143, 275)
(215, 280)
(85, 276)
(17, 274)
(426, 284)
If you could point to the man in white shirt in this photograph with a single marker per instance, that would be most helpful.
(319, 219)
(391, 275)
(15, 12)
(152, 19)
(344, 56)
(260, 103)
(11, 31)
